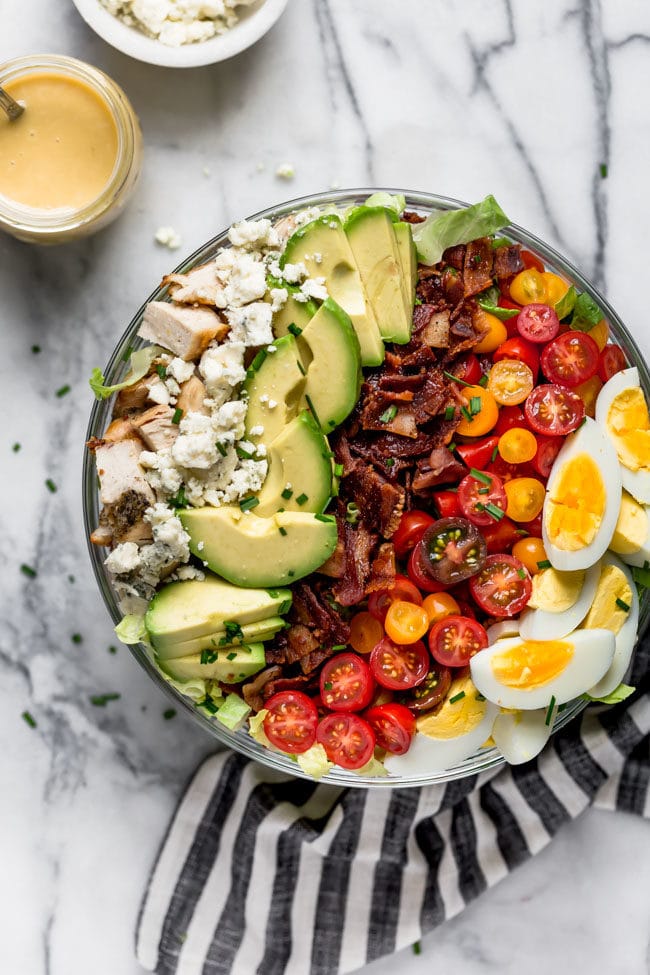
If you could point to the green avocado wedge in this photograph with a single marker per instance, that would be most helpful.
(275, 387)
(408, 257)
(226, 640)
(330, 351)
(300, 470)
(294, 313)
(230, 666)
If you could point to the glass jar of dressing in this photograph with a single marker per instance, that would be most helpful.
(69, 164)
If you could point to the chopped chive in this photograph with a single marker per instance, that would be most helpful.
(466, 413)
(521, 573)
(71, 579)
(417, 948)
(258, 360)
(561, 708)
(451, 446)
(494, 453)
(301, 367)
(286, 494)
(112, 649)
(28, 571)
(178, 416)
(480, 476)
(549, 713)
(222, 449)
(326, 518)
(479, 696)
(28, 719)
(388, 415)
(162, 371)
(449, 412)
(282, 530)
(462, 382)
(544, 564)
(169, 714)
(36, 349)
(338, 470)
(63, 390)
(483, 381)
(390, 462)
(302, 498)
(208, 656)
(475, 405)
(178, 500)
(479, 506)
(233, 630)
(484, 490)
(51, 486)
(230, 656)
(209, 705)
(327, 685)
(16, 448)
(457, 697)
(294, 330)
(76, 638)
(249, 503)
(603, 170)
(101, 700)
(495, 511)
(339, 646)
(291, 573)
(311, 407)
(243, 454)
(622, 605)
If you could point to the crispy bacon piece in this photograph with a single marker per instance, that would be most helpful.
(252, 690)
(507, 261)
(454, 256)
(382, 569)
(410, 217)
(440, 468)
(431, 325)
(432, 398)
(382, 503)
(301, 682)
(300, 642)
(478, 267)
(358, 544)
(311, 607)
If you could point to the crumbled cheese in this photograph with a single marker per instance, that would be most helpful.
(158, 393)
(167, 237)
(177, 22)
(251, 325)
(257, 430)
(172, 388)
(186, 572)
(264, 398)
(285, 171)
(315, 288)
(271, 348)
(260, 167)
(206, 172)
(201, 545)
(124, 558)
(180, 370)
(318, 258)
(222, 368)
(195, 447)
(294, 273)
(253, 233)
(279, 298)
(272, 404)
(260, 450)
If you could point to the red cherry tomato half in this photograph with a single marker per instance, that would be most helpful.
(612, 360)
(446, 503)
(380, 600)
(419, 578)
(554, 410)
(393, 725)
(410, 530)
(502, 587)
(348, 740)
(454, 640)
(509, 416)
(534, 527)
(346, 683)
(397, 667)
(477, 454)
(507, 471)
(518, 348)
(501, 535)
(478, 491)
(468, 368)
(538, 323)
(291, 722)
(547, 450)
(570, 359)
(531, 260)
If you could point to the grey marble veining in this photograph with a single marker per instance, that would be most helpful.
(460, 97)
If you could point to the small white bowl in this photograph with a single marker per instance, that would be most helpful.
(254, 22)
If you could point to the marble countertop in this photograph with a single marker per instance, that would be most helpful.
(461, 97)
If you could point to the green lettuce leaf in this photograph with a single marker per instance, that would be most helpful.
(586, 313)
(314, 761)
(619, 694)
(194, 689)
(566, 304)
(395, 203)
(373, 768)
(131, 629)
(140, 365)
(233, 712)
(256, 727)
(442, 230)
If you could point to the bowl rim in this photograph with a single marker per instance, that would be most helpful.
(253, 24)
(485, 759)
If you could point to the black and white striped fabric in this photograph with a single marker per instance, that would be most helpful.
(261, 873)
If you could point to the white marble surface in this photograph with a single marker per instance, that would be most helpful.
(462, 97)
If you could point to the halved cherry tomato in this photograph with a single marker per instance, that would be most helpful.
(517, 445)
(454, 640)
(509, 416)
(530, 551)
(346, 683)
(547, 450)
(291, 722)
(438, 605)
(451, 550)
(431, 691)
(501, 536)
(600, 333)
(538, 323)
(477, 492)
(348, 740)
(478, 453)
(405, 622)
(481, 412)
(528, 287)
(510, 382)
(468, 368)
(393, 725)
(518, 348)
(494, 329)
(588, 393)
(611, 361)
(505, 300)
(525, 498)
(570, 359)
(507, 471)
(556, 287)
(446, 503)
(419, 578)
(502, 587)
(365, 632)
(399, 667)
(409, 531)
(554, 410)
(534, 527)
(531, 260)
(380, 600)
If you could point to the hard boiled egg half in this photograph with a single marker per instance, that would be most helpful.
(616, 608)
(622, 412)
(631, 538)
(583, 498)
(559, 602)
(528, 674)
(521, 735)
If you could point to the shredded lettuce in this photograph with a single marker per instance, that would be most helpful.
(442, 230)
(586, 313)
(314, 761)
(194, 689)
(566, 304)
(619, 694)
(256, 727)
(140, 365)
(373, 768)
(131, 629)
(395, 203)
(233, 712)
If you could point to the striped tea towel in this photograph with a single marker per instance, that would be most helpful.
(263, 874)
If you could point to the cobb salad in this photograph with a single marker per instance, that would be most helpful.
(377, 489)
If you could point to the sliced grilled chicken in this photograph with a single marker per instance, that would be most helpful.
(155, 426)
(184, 330)
(199, 287)
(192, 396)
(123, 488)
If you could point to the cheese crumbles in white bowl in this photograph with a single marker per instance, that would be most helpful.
(181, 33)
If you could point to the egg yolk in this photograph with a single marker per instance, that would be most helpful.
(629, 427)
(607, 613)
(576, 505)
(631, 528)
(531, 663)
(556, 591)
(459, 718)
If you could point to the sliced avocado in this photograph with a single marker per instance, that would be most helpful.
(223, 639)
(374, 245)
(252, 551)
(182, 611)
(230, 666)
(300, 470)
(325, 238)
(275, 387)
(408, 257)
(293, 312)
(334, 367)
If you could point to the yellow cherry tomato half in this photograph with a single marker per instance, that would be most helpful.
(600, 334)
(437, 605)
(528, 287)
(531, 552)
(556, 287)
(525, 498)
(495, 332)
(588, 393)
(480, 412)
(510, 381)
(405, 622)
(517, 445)
(365, 632)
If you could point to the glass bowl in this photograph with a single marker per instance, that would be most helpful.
(423, 203)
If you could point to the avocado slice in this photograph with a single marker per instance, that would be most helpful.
(325, 238)
(293, 312)
(408, 257)
(223, 639)
(329, 348)
(374, 245)
(182, 611)
(300, 470)
(278, 378)
(229, 666)
(251, 551)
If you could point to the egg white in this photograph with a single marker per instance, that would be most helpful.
(636, 482)
(521, 735)
(428, 754)
(587, 439)
(542, 624)
(625, 639)
(502, 630)
(592, 657)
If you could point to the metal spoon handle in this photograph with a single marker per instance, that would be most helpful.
(10, 105)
